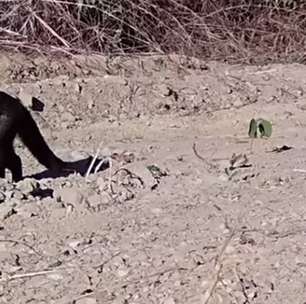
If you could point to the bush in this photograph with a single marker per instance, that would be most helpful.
(231, 30)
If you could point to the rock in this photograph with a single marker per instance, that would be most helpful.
(237, 102)
(74, 244)
(94, 201)
(169, 300)
(17, 194)
(102, 185)
(6, 211)
(224, 178)
(124, 195)
(78, 88)
(71, 196)
(122, 272)
(142, 172)
(68, 116)
(28, 186)
(87, 300)
(55, 276)
(90, 103)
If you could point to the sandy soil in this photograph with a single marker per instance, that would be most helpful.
(169, 222)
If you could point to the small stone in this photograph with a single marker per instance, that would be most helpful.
(60, 108)
(106, 152)
(300, 92)
(238, 103)
(28, 185)
(69, 210)
(125, 196)
(90, 103)
(17, 194)
(9, 193)
(64, 125)
(68, 116)
(122, 272)
(101, 183)
(4, 247)
(229, 90)
(74, 244)
(105, 198)
(266, 77)
(112, 118)
(78, 88)
(6, 211)
(169, 300)
(70, 196)
(94, 201)
(86, 72)
(224, 177)
(128, 157)
(88, 300)
(55, 276)
(156, 211)
(144, 173)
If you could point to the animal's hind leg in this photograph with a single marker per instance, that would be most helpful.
(2, 162)
(2, 172)
(14, 165)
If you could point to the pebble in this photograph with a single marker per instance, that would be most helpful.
(86, 301)
(19, 195)
(94, 201)
(90, 103)
(68, 116)
(102, 185)
(169, 300)
(70, 196)
(6, 211)
(28, 185)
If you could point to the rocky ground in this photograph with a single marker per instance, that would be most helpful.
(177, 217)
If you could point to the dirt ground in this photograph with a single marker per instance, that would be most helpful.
(171, 220)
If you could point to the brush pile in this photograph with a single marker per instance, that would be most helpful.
(235, 31)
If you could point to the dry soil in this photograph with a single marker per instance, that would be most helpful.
(177, 218)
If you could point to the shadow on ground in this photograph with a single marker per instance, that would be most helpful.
(79, 166)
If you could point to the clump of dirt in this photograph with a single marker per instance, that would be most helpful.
(172, 218)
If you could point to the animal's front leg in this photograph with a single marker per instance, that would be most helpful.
(14, 164)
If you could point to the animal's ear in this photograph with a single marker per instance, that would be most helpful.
(37, 105)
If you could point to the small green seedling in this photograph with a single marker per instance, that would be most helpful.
(260, 128)
(156, 171)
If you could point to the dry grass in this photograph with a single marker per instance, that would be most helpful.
(231, 30)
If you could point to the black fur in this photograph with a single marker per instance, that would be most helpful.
(15, 120)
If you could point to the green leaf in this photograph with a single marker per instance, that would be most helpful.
(253, 128)
(260, 128)
(264, 127)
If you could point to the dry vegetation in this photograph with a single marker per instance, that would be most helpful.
(230, 30)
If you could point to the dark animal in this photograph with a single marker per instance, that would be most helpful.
(16, 120)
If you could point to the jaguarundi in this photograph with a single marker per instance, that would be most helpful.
(16, 120)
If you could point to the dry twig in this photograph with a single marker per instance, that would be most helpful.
(246, 32)
(218, 266)
(26, 275)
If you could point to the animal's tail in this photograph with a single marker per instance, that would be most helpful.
(32, 138)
